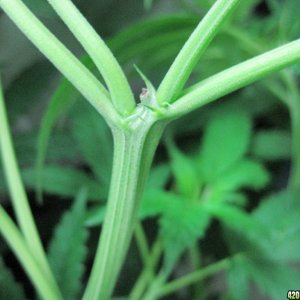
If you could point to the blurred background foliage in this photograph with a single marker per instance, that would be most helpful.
(213, 172)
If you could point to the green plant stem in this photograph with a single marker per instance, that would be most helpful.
(141, 241)
(194, 277)
(106, 63)
(195, 255)
(254, 47)
(155, 287)
(235, 78)
(148, 272)
(61, 57)
(133, 152)
(293, 96)
(193, 49)
(18, 194)
(21, 249)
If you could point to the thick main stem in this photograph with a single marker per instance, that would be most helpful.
(133, 154)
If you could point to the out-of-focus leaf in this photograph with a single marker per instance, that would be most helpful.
(274, 280)
(159, 176)
(9, 287)
(235, 218)
(187, 182)
(191, 221)
(94, 140)
(42, 8)
(24, 93)
(225, 141)
(65, 182)
(148, 4)
(272, 145)
(246, 173)
(280, 213)
(266, 258)
(67, 250)
(155, 202)
(63, 98)
(95, 216)
(245, 9)
(287, 15)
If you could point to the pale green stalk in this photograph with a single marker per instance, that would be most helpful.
(61, 57)
(235, 78)
(101, 55)
(193, 49)
(141, 242)
(194, 277)
(26, 257)
(18, 194)
(133, 152)
(148, 273)
(293, 95)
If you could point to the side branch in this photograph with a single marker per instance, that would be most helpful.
(235, 78)
(101, 55)
(60, 56)
(193, 49)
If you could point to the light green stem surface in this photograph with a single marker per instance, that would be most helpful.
(133, 153)
(141, 242)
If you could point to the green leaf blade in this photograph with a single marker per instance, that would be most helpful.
(272, 145)
(66, 259)
(9, 287)
(225, 142)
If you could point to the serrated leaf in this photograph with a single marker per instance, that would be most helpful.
(65, 182)
(94, 140)
(267, 257)
(225, 141)
(191, 221)
(9, 287)
(246, 173)
(187, 183)
(67, 250)
(272, 145)
(280, 214)
(272, 279)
